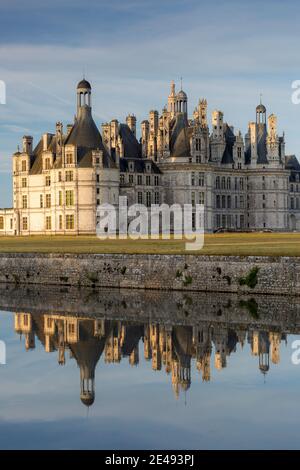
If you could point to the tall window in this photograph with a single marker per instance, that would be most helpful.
(193, 199)
(24, 182)
(25, 223)
(69, 175)
(60, 198)
(139, 180)
(48, 181)
(201, 198)
(156, 180)
(122, 178)
(156, 197)
(198, 144)
(201, 179)
(48, 200)
(148, 180)
(218, 182)
(1, 223)
(140, 198)
(70, 221)
(24, 202)
(223, 182)
(218, 205)
(193, 179)
(228, 183)
(48, 222)
(69, 198)
(60, 222)
(41, 201)
(24, 166)
(239, 152)
(59, 176)
(130, 179)
(148, 199)
(241, 184)
(47, 163)
(223, 202)
(69, 158)
(229, 202)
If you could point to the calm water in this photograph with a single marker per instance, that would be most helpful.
(132, 370)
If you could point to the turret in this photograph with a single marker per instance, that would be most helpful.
(84, 91)
(131, 123)
(172, 100)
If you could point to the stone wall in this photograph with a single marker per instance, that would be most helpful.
(261, 312)
(167, 272)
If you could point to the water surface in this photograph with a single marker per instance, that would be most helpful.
(134, 369)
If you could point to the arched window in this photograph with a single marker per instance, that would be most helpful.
(223, 182)
(218, 182)
(228, 183)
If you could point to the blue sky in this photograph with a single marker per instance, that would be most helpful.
(228, 52)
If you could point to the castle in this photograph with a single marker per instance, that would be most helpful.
(245, 183)
(177, 349)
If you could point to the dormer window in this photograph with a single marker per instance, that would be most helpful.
(131, 166)
(69, 158)
(148, 167)
(47, 163)
(24, 165)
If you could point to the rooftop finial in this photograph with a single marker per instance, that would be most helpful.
(260, 98)
(180, 83)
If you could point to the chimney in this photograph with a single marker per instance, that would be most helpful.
(27, 144)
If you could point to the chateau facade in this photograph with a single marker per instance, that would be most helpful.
(245, 183)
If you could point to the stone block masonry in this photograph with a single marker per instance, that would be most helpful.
(257, 275)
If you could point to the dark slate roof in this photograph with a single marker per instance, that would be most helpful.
(261, 147)
(133, 334)
(139, 165)
(84, 84)
(227, 157)
(261, 108)
(180, 137)
(37, 162)
(291, 163)
(262, 144)
(86, 136)
(132, 147)
(181, 94)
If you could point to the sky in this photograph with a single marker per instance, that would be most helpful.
(228, 52)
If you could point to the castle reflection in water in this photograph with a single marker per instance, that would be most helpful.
(169, 347)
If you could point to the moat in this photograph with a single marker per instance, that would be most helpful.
(129, 369)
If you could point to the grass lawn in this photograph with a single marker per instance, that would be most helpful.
(272, 244)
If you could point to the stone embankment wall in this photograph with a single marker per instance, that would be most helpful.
(263, 275)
